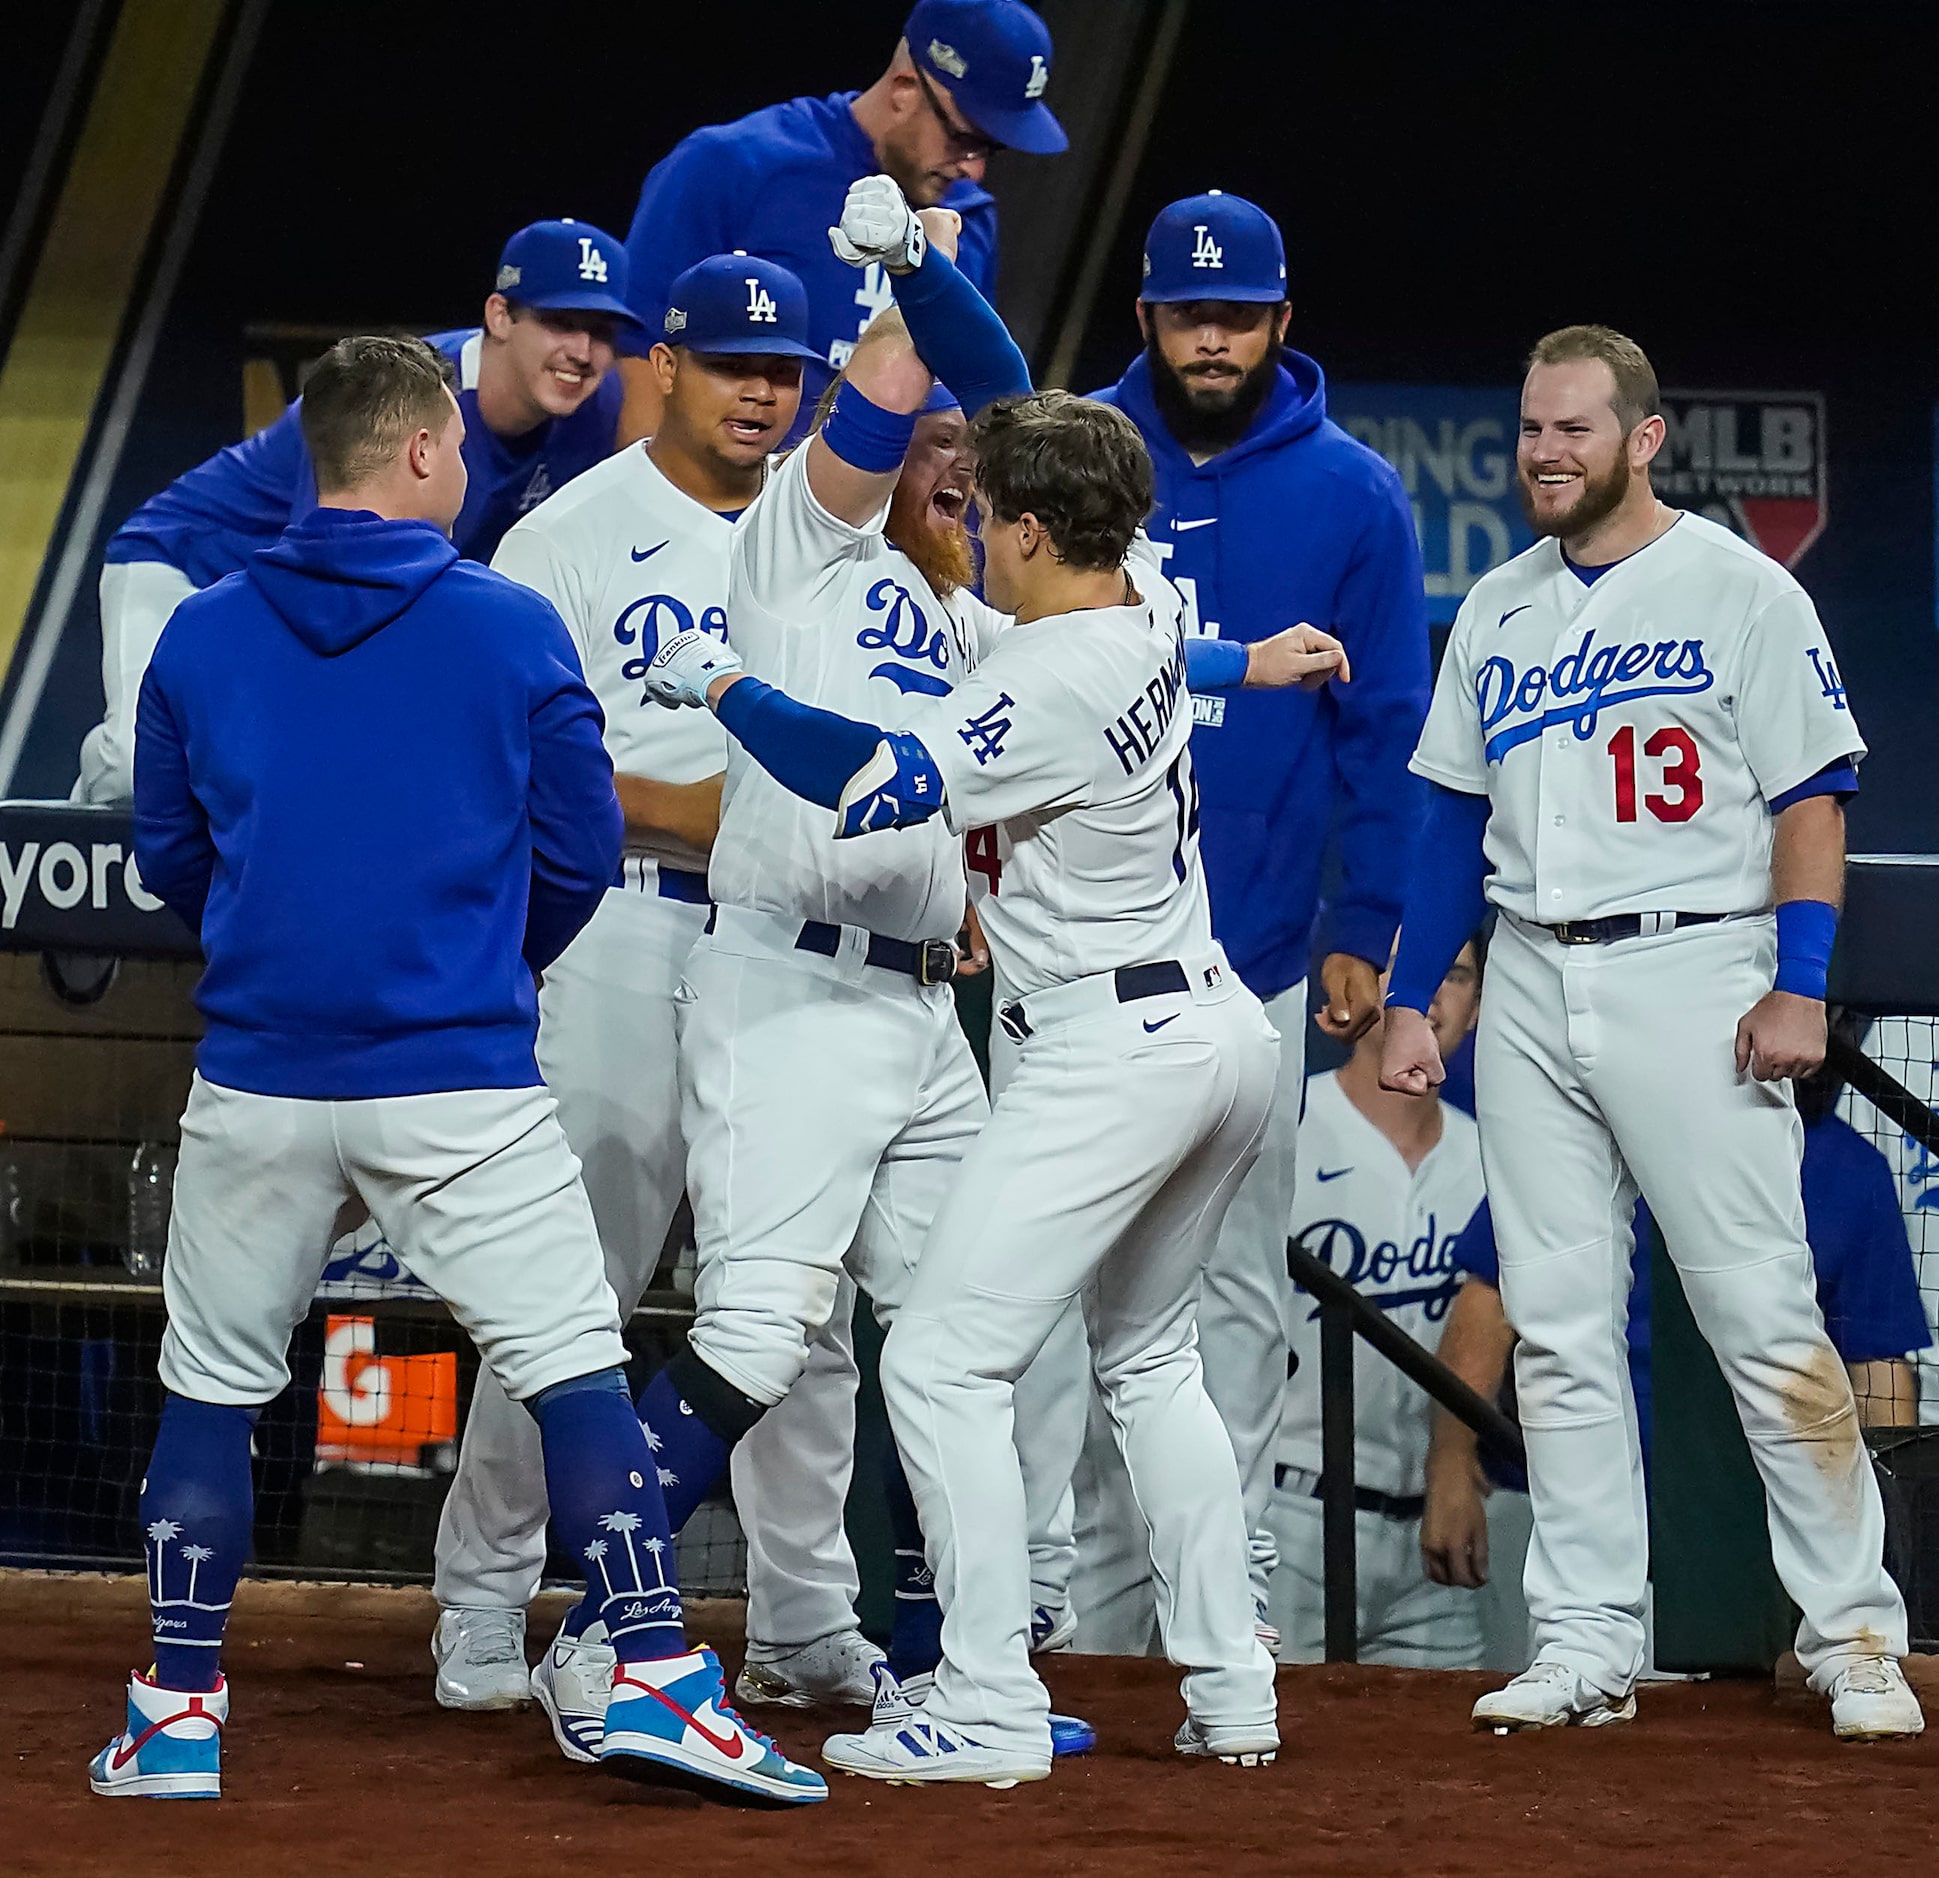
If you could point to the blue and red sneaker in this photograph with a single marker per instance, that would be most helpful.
(171, 1748)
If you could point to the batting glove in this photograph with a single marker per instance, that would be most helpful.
(879, 225)
(685, 666)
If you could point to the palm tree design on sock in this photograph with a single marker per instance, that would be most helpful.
(643, 1600)
(197, 1556)
(160, 1531)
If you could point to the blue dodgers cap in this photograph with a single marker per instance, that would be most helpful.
(994, 56)
(1214, 247)
(738, 303)
(566, 266)
(940, 398)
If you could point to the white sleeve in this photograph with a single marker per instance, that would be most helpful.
(787, 545)
(529, 556)
(1792, 715)
(1450, 751)
(1007, 743)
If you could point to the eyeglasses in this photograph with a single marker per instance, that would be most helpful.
(964, 140)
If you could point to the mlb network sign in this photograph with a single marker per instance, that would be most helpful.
(1752, 461)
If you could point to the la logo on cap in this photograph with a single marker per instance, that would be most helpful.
(1039, 76)
(1205, 251)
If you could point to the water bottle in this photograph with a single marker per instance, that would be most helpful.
(151, 1191)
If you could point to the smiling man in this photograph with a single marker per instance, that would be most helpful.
(967, 78)
(540, 404)
(1639, 748)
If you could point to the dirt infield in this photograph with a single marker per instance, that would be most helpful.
(339, 1759)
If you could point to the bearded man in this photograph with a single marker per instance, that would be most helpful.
(1267, 513)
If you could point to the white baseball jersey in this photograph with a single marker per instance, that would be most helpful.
(837, 617)
(1390, 1234)
(1630, 734)
(1071, 739)
(629, 560)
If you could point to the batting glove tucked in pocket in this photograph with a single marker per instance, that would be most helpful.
(685, 666)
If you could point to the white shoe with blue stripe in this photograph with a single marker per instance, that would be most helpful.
(573, 1682)
(907, 1748)
(171, 1748)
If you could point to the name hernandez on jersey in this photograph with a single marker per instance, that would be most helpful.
(1390, 1234)
(629, 560)
(838, 617)
(1066, 757)
(1631, 734)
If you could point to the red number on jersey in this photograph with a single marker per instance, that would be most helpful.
(980, 855)
(1683, 775)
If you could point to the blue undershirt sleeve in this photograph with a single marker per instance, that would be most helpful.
(810, 752)
(1835, 779)
(1445, 900)
(1216, 664)
(958, 335)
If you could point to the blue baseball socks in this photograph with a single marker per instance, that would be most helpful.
(197, 1515)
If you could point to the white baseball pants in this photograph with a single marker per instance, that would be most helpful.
(1600, 1069)
(606, 1046)
(137, 598)
(1244, 1331)
(826, 1104)
(476, 1189)
(1104, 1173)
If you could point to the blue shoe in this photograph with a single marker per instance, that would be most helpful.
(668, 1719)
(171, 1748)
(1069, 1735)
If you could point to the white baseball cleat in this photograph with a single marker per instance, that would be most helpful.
(573, 1682)
(480, 1656)
(1237, 1747)
(1051, 1628)
(1871, 1701)
(1552, 1695)
(831, 1669)
(917, 1751)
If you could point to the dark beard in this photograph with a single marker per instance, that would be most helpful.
(1210, 421)
(1597, 502)
(942, 556)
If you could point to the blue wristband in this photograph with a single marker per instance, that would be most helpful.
(1805, 931)
(864, 435)
(1216, 664)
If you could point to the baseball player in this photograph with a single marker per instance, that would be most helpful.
(540, 405)
(1266, 510)
(361, 710)
(1386, 1184)
(1137, 1103)
(1640, 743)
(634, 550)
(967, 78)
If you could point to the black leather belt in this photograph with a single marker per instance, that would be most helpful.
(927, 961)
(1602, 932)
(1365, 1499)
(682, 883)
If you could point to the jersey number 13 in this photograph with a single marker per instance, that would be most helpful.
(1681, 776)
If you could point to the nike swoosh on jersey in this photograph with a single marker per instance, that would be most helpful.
(1162, 1022)
(1510, 614)
(646, 554)
(1330, 1173)
(1204, 521)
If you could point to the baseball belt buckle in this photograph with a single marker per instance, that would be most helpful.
(936, 962)
(1576, 933)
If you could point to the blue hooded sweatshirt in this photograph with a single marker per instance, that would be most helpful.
(371, 775)
(1297, 521)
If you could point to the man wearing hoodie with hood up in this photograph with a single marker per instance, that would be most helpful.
(1267, 513)
(372, 777)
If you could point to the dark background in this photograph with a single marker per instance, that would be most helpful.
(1746, 188)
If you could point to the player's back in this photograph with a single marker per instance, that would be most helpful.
(357, 748)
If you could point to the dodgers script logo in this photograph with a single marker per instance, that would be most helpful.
(905, 631)
(1580, 686)
(1342, 1247)
(655, 616)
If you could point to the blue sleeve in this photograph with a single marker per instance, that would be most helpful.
(1381, 619)
(1446, 901)
(684, 210)
(1216, 664)
(173, 847)
(810, 752)
(1474, 1251)
(578, 833)
(976, 247)
(1873, 1311)
(958, 334)
(1838, 779)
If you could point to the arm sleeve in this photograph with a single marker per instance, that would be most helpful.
(1216, 664)
(1005, 743)
(173, 847)
(578, 833)
(976, 248)
(1377, 719)
(1445, 900)
(1838, 779)
(1874, 1311)
(1792, 715)
(682, 217)
(811, 752)
(957, 333)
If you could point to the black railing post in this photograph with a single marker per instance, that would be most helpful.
(1337, 1544)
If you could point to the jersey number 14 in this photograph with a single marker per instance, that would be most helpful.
(1682, 779)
